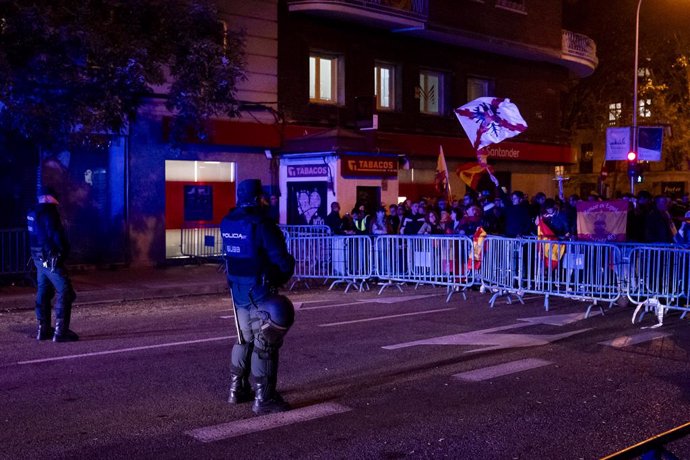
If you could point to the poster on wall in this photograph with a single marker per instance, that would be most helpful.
(307, 203)
(198, 202)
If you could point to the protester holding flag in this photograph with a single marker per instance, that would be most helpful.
(659, 227)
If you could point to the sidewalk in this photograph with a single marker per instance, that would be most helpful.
(120, 285)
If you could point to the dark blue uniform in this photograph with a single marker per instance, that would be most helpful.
(257, 263)
(49, 249)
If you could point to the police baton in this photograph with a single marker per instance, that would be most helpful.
(240, 339)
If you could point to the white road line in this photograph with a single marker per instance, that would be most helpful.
(331, 306)
(513, 367)
(628, 340)
(376, 318)
(126, 350)
(266, 422)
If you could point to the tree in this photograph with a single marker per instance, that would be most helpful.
(664, 53)
(71, 70)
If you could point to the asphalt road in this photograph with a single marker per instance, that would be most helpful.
(401, 375)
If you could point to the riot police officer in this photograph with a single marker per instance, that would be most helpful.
(257, 263)
(49, 249)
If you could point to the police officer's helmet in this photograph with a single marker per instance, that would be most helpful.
(249, 191)
(278, 309)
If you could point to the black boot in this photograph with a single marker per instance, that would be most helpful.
(240, 391)
(44, 331)
(63, 332)
(268, 400)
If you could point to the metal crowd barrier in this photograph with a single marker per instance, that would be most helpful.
(202, 242)
(577, 270)
(15, 257)
(659, 281)
(342, 259)
(296, 231)
(435, 260)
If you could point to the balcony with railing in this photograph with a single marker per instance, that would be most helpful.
(390, 14)
(579, 53)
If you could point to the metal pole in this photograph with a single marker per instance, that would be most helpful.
(635, 108)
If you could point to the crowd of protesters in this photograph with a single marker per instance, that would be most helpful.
(658, 219)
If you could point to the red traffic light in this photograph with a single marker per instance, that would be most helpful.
(632, 156)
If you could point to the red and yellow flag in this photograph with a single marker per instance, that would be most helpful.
(552, 252)
(471, 173)
(441, 181)
(474, 262)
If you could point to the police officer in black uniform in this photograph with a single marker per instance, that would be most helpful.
(49, 249)
(257, 262)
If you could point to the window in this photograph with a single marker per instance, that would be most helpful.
(645, 108)
(430, 91)
(384, 86)
(512, 5)
(586, 158)
(615, 112)
(323, 79)
(478, 87)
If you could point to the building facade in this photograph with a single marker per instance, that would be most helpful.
(345, 100)
(408, 64)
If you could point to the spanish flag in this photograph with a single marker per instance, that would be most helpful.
(552, 252)
(474, 262)
(471, 173)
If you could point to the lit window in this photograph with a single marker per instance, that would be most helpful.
(615, 112)
(645, 108)
(323, 79)
(478, 87)
(430, 92)
(384, 86)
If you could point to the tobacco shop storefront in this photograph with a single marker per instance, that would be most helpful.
(310, 182)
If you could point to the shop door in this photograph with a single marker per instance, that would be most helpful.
(370, 197)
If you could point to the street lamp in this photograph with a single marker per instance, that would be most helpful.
(633, 146)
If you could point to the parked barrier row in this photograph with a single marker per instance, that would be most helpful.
(15, 257)
(659, 281)
(653, 277)
(589, 272)
(201, 242)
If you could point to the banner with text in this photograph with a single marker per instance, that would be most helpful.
(602, 221)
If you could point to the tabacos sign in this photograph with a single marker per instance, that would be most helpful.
(369, 167)
(312, 170)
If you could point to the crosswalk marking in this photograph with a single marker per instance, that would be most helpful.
(266, 422)
(377, 318)
(513, 367)
(629, 340)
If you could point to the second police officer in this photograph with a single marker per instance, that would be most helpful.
(257, 263)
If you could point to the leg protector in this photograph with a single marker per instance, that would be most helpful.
(265, 371)
(240, 390)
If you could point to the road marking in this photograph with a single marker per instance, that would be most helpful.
(399, 299)
(376, 318)
(266, 422)
(126, 350)
(557, 320)
(629, 340)
(383, 300)
(491, 372)
(489, 340)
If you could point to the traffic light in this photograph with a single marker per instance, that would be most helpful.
(632, 164)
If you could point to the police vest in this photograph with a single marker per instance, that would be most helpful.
(241, 244)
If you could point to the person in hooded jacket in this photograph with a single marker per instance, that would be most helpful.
(49, 250)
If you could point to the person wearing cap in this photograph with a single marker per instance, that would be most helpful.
(257, 262)
(49, 249)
